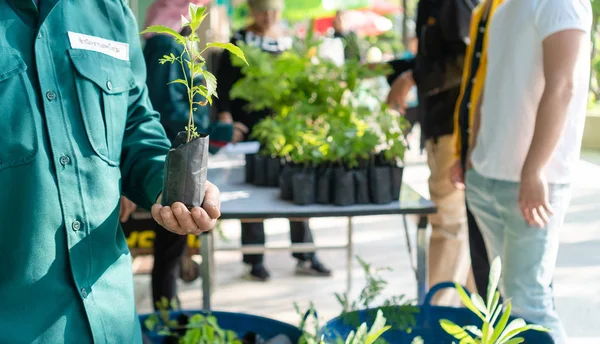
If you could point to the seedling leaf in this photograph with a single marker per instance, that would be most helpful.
(502, 323)
(467, 301)
(457, 332)
(495, 272)
(211, 84)
(235, 50)
(164, 30)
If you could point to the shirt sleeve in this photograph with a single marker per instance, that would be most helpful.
(145, 144)
(553, 16)
(400, 66)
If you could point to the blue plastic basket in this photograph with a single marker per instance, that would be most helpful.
(427, 324)
(237, 322)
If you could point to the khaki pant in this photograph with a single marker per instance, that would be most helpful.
(449, 259)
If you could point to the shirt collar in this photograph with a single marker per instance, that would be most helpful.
(33, 11)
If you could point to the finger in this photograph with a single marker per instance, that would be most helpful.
(156, 214)
(459, 185)
(537, 218)
(543, 215)
(525, 212)
(170, 221)
(548, 208)
(122, 213)
(203, 220)
(212, 201)
(184, 217)
(241, 127)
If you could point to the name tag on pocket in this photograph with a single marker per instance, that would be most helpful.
(115, 49)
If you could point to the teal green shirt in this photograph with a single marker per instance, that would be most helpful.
(76, 131)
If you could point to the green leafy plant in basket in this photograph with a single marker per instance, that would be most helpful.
(400, 312)
(188, 156)
(496, 328)
(195, 329)
(362, 335)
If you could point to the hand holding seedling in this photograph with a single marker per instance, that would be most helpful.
(178, 219)
(188, 203)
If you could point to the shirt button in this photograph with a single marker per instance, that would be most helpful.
(482, 29)
(469, 105)
(76, 225)
(478, 55)
(84, 293)
(40, 35)
(65, 160)
(109, 85)
(50, 95)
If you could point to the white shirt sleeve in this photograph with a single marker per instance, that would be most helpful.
(552, 16)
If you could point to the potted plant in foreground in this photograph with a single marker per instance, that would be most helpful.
(186, 163)
(497, 327)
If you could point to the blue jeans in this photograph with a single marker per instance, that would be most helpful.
(528, 253)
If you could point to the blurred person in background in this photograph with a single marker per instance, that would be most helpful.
(472, 86)
(527, 132)
(267, 33)
(436, 70)
(349, 37)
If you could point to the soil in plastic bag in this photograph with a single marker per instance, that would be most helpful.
(396, 181)
(324, 183)
(304, 187)
(380, 184)
(250, 168)
(285, 181)
(185, 171)
(273, 169)
(361, 186)
(260, 173)
(343, 187)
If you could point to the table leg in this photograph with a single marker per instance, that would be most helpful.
(423, 236)
(205, 269)
(350, 252)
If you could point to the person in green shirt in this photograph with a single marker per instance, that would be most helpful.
(78, 130)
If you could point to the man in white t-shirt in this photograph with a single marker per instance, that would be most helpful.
(526, 140)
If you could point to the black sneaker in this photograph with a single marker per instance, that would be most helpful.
(258, 273)
(312, 268)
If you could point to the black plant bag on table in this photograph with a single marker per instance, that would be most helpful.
(272, 170)
(343, 187)
(380, 184)
(249, 169)
(361, 185)
(324, 184)
(260, 173)
(396, 172)
(285, 181)
(304, 187)
(185, 171)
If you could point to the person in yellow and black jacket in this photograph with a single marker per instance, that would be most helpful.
(442, 29)
(471, 88)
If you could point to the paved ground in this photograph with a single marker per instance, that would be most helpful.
(380, 241)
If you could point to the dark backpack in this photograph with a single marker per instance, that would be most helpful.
(455, 19)
(442, 45)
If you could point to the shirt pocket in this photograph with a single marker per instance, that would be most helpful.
(103, 84)
(18, 134)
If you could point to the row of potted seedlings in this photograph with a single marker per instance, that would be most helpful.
(375, 181)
